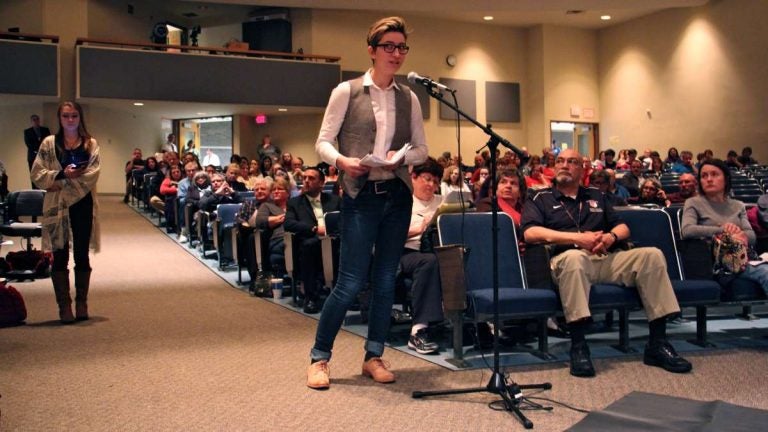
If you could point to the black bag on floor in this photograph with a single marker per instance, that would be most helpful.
(13, 311)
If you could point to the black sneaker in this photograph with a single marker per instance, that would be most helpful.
(422, 344)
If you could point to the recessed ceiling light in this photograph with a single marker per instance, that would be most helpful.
(605, 17)
(202, 113)
(488, 18)
(138, 103)
(282, 109)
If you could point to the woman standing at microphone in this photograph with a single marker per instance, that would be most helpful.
(371, 114)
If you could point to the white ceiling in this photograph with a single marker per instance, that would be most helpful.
(518, 13)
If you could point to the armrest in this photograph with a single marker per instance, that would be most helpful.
(696, 257)
(537, 270)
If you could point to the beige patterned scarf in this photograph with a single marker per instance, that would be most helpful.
(63, 193)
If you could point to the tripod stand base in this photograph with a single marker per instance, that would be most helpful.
(511, 394)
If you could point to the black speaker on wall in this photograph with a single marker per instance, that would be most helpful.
(268, 35)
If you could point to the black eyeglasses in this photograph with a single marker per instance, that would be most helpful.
(390, 47)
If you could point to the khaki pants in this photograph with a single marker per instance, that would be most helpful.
(645, 268)
(157, 203)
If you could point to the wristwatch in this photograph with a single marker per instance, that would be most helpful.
(615, 237)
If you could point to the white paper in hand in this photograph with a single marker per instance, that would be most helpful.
(372, 161)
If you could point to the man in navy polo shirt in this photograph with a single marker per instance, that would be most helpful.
(587, 234)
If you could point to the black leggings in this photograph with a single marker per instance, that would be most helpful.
(81, 221)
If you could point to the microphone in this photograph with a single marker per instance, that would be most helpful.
(414, 78)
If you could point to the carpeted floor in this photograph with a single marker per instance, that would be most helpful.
(172, 346)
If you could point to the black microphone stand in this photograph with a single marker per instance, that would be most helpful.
(510, 392)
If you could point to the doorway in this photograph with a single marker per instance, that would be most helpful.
(583, 137)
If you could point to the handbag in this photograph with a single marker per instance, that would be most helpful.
(730, 255)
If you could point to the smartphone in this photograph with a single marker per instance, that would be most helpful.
(79, 165)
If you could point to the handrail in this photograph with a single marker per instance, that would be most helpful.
(211, 50)
(31, 37)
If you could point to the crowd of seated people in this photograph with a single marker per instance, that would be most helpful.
(289, 196)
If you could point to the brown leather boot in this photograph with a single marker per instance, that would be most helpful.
(82, 284)
(61, 289)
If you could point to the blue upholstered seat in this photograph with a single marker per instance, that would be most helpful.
(473, 231)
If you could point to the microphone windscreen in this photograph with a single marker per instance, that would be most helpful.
(412, 76)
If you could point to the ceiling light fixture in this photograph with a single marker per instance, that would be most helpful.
(138, 104)
(283, 109)
(488, 18)
(605, 17)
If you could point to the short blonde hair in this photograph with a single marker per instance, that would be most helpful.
(386, 25)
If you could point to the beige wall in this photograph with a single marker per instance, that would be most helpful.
(27, 15)
(295, 134)
(701, 72)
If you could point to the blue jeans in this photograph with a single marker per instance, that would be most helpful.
(758, 274)
(374, 227)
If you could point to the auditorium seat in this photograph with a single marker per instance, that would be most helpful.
(515, 300)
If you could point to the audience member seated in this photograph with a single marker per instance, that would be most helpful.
(233, 171)
(587, 233)
(190, 169)
(609, 162)
(482, 174)
(651, 193)
(687, 190)
(270, 218)
(219, 193)
(452, 181)
(136, 163)
(732, 160)
(266, 167)
(510, 194)
(419, 265)
(673, 157)
(656, 168)
(297, 169)
(631, 180)
(167, 198)
(333, 174)
(536, 179)
(614, 187)
(601, 180)
(685, 164)
(246, 218)
(305, 218)
(746, 156)
(254, 174)
(713, 212)
(280, 172)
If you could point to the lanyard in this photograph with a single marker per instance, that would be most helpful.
(577, 220)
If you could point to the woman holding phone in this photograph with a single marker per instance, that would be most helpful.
(67, 168)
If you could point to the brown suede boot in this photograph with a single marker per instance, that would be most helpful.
(61, 289)
(82, 284)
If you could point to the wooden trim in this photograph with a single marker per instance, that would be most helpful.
(30, 37)
(210, 50)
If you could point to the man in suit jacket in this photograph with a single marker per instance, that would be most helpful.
(33, 137)
(304, 218)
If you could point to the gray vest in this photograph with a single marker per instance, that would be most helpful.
(358, 132)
